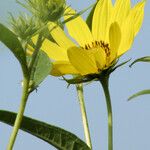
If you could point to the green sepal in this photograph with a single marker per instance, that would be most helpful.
(41, 69)
(143, 92)
(58, 137)
(142, 59)
(118, 66)
(94, 77)
(9, 39)
(81, 79)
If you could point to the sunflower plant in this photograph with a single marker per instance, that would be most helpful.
(96, 50)
(88, 51)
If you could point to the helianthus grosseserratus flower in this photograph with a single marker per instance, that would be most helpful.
(113, 30)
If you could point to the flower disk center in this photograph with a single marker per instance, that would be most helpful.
(98, 44)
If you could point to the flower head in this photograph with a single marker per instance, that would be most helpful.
(113, 30)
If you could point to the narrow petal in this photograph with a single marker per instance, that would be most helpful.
(127, 35)
(54, 51)
(78, 29)
(114, 40)
(80, 59)
(101, 19)
(61, 68)
(138, 15)
(59, 36)
(121, 10)
(130, 27)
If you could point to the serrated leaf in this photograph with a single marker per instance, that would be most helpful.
(41, 68)
(58, 137)
(139, 94)
(142, 59)
(9, 39)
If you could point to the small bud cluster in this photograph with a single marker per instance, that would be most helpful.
(42, 12)
(46, 10)
(24, 26)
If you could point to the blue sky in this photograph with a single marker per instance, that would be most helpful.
(57, 105)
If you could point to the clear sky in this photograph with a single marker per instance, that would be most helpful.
(57, 105)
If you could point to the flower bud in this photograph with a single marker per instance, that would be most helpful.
(24, 26)
(46, 10)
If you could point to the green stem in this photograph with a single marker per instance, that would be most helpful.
(20, 114)
(105, 84)
(79, 88)
(25, 93)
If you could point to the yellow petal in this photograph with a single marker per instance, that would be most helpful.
(101, 19)
(54, 51)
(121, 10)
(61, 68)
(98, 56)
(78, 29)
(114, 40)
(138, 15)
(35, 38)
(130, 27)
(59, 36)
(80, 59)
(127, 35)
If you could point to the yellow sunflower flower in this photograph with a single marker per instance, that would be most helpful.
(113, 30)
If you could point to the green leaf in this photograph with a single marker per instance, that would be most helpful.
(58, 137)
(41, 69)
(142, 59)
(90, 17)
(139, 94)
(9, 39)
